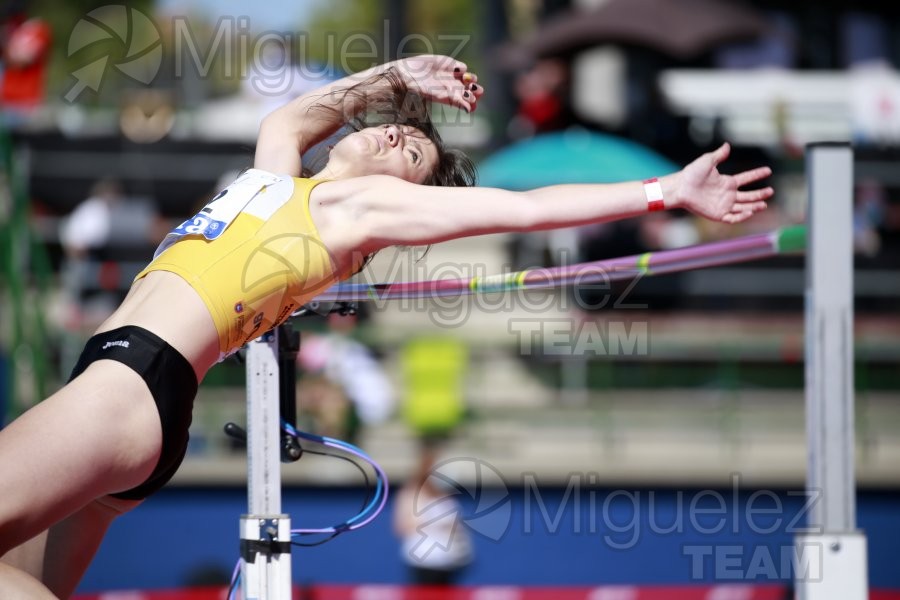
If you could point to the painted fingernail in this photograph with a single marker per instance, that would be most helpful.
(467, 77)
(465, 94)
(456, 69)
(474, 87)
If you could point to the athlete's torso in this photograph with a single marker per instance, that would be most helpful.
(253, 255)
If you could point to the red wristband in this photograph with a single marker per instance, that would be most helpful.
(653, 191)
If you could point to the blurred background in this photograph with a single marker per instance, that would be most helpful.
(119, 121)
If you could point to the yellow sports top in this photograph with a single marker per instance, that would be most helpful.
(252, 254)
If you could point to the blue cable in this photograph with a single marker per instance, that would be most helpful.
(375, 506)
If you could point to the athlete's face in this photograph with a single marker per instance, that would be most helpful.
(401, 151)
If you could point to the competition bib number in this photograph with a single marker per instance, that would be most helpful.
(214, 218)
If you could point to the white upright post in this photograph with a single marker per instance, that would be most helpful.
(265, 531)
(831, 555)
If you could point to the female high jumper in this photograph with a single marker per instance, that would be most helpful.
(272, 240)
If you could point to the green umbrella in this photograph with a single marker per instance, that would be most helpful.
(573, 156)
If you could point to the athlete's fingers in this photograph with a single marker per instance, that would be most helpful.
(749, 207)
(752, 175)
(755, 195)
(464, 100)
(721, 153)
(733, 218)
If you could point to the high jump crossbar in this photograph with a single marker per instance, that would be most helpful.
(751, 247)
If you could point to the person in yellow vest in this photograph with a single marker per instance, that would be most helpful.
(434, 371)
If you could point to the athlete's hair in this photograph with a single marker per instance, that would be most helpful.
(396, 103)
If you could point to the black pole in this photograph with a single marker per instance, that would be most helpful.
(396, 24)
(288, 346)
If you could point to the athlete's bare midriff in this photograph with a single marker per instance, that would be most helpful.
(166, 305)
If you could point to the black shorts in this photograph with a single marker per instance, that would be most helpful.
(171, 381)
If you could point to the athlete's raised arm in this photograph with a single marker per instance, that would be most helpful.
(286, 133)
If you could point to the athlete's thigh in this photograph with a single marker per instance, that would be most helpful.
(98, 435)
(16, 584)
(72, 543)
(28, 557)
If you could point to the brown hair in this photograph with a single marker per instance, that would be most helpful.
(397, 104)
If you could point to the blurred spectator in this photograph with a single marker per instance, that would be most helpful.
(109, 222)
(26, 53)
(435, 546)
(542, 94)
(88, 227)
(105, 240)
(344, 386)
(434, 376)
(868, 216)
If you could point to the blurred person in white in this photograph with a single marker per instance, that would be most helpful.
(88, 227)
(99, 238)
(351, 366)
(435, 544)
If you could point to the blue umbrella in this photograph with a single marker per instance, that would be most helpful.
(573, 156)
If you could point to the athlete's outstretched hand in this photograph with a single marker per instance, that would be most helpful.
(442, 79)
(710, 194)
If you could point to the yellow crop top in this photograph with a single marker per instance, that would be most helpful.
(252, 254)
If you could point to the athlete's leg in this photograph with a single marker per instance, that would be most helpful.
(72, 543)
(98, 435)
(29, 556)
(16, 584)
